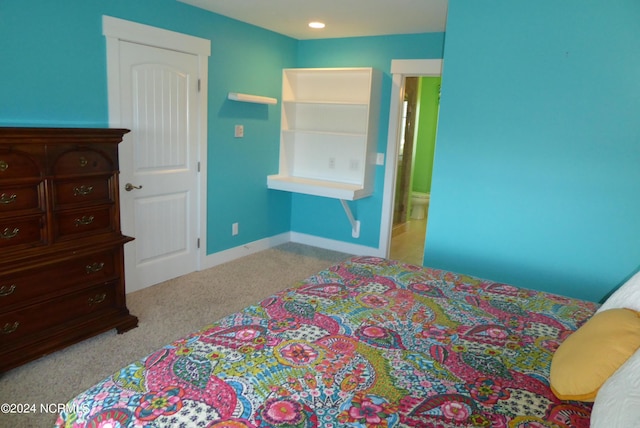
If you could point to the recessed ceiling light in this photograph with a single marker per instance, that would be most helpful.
(316, 24)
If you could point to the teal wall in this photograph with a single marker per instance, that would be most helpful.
(537, 167)
(536, 176)
(53, 72)
(426, 124)
(325, 217)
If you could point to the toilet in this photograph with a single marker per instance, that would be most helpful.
(419, 203)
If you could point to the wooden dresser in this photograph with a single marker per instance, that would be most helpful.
(61, 249)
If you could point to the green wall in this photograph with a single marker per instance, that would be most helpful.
(427, 124)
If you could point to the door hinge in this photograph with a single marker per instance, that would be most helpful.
(198, 242)
(199, 83)
(198, 166)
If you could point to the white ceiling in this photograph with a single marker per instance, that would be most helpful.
(343, 18)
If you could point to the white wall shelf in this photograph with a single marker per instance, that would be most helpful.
(316, 187)
(328, 132)
(247, 98)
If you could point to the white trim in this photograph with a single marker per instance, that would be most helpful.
(417, 67)
(399, 70)
(330, 244)
(116, 30)
(231, 254)
(243, 250)
(144, 34)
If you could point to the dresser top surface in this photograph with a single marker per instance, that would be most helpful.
(37, 134)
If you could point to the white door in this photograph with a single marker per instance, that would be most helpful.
(159, 163)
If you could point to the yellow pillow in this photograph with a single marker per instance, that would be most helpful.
(586, 359)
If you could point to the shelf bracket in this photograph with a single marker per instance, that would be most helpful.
(355, 224)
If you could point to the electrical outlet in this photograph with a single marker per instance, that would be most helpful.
(332, 163)
(239, 131)
(234, 229)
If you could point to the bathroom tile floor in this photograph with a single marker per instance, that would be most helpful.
(407, 241)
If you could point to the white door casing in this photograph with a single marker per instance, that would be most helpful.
(157, 88)
(399, 70)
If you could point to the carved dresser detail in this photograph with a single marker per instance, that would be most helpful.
(61, 248)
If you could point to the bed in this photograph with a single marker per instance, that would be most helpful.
(368, 342)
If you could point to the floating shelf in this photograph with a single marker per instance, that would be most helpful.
(246, 98)
(325, 188)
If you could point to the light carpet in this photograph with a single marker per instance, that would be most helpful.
(166, 312)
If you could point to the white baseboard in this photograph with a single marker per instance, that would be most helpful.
(220, 257)
(231, 254)
(331, 244)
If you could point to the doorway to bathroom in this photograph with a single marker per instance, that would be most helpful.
(416, 147)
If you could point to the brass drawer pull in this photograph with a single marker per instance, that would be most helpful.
(99, 298)
(5, 291)
(82, 190)
(3, 166)
(94, 267)
(8, 234)
(84, 221)
(83, 161)
(9, 328)
(4, 199)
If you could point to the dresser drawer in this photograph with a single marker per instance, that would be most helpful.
(20, 232)
(20, 197)
(61, 247)
(82, 161)
(37, 318)
(82, 191)
(16, 164)
(22, 286)
(76, 223)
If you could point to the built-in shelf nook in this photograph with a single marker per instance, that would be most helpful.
(329, 133)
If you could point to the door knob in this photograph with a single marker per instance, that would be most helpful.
(129, 187)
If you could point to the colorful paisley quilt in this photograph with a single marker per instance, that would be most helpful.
(366, 343)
